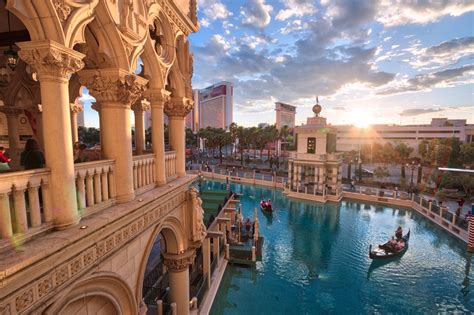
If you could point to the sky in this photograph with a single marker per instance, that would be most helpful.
(369, 61)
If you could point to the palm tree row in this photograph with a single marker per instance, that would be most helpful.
(244, 138)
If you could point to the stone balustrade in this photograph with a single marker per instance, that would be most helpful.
(25, 205)
(170, 164)
(95, 185)
(144, 173)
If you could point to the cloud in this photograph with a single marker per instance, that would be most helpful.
(296, 8)
(256, 13)
(419, 111)
(393, 13)
(204, 22)
(339, 108)
(292, 26)
(427, 81)
(214, 10)
(447, 52)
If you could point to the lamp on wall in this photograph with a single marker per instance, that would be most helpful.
(10, 54)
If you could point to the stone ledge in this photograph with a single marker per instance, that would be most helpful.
(46, 253)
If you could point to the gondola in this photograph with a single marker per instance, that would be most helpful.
(266, 209)
(382, 252)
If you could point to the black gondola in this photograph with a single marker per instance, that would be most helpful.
(266, 208)
(385, 251)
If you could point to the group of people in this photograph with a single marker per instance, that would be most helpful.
(31, 157)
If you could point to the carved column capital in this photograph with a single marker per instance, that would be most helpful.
(11, 111)
(141, 106)
(179, 262)
(157, 97)
(96, 106)
(76, 108)
(178, 106)
(113, 85)
(52, 61)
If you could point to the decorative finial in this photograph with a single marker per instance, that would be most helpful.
(317, 108)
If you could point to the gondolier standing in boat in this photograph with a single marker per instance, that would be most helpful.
(399, 233)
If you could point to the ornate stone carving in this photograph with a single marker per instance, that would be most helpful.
(198, 227)
(141, 105)
(10, 111)
(193, 11)
(5, 310)
(179, 262)
(62, 9)
(157, 97)
(113, 85)
(24, 300)
(51, 59)
(76, 108)
(178, 106)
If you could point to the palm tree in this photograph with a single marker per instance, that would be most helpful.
(233, 128)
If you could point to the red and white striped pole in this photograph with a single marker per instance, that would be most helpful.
(470, 240)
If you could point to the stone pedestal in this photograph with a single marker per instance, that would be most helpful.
(54, 64)
(116, 89)
(178, 267)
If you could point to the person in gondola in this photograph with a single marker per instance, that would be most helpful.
(399, 233)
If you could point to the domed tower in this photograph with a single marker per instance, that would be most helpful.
(315, 168)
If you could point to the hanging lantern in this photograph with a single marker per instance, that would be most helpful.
(12, 58)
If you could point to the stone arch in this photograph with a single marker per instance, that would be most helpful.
(103, 287)
(175, 239)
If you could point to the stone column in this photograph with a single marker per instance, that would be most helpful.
(177, 109)
(14, 149)
(139, 109)
(178, 267)
(75, 109)
(96, 106)
(157, 100)
(116, 89)
(54, 64)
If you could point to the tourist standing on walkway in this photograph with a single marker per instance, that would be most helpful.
(32, 157)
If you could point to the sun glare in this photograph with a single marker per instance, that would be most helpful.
(360, 119)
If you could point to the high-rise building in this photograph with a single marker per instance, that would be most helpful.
(285, 115)
(216, 104)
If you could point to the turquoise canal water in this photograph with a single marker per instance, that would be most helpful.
(315, 260)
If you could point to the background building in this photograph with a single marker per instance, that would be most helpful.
(285, 115)
(216, 105)
(353, 138)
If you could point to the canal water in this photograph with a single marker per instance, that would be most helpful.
(315, 260)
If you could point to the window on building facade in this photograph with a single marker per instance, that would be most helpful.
(311, 145)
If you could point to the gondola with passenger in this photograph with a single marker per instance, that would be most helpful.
(266, 207)
(393, 248)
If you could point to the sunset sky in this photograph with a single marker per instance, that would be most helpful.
(375, 61)
(368, 61)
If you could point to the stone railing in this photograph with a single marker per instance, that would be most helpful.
(25, 205)
(144, 173)
(95, 184)
(170, 164)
